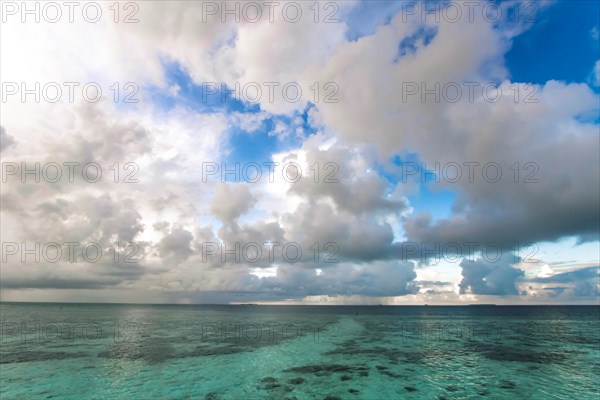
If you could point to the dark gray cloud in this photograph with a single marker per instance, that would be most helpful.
(554, 197)
(176, 246)
(59, 283)
(433, 283)
(572, 276)
(583, 283)
(230, 201)
(298, 281)
(487, 278)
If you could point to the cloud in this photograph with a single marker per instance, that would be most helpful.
(58, 283)
(175, 246)
(596, 74)
(583, 283)
(571, 276)
(559, 120)
(5, 139)
(595, 33)
(230, 201)
(489, 278)
(377, 279)
(170, 212)
(345, 176)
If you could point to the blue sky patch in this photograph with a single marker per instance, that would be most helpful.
(549, 50)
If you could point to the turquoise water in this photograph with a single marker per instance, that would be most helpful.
(99, 351)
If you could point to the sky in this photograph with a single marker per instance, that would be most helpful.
(351, 152)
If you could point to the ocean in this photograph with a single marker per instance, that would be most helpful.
(110, 351)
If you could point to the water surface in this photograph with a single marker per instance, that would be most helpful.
(105, 351)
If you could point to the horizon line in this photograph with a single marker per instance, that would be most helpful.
(309, 305)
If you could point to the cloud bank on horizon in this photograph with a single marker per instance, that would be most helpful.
(307, 152)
